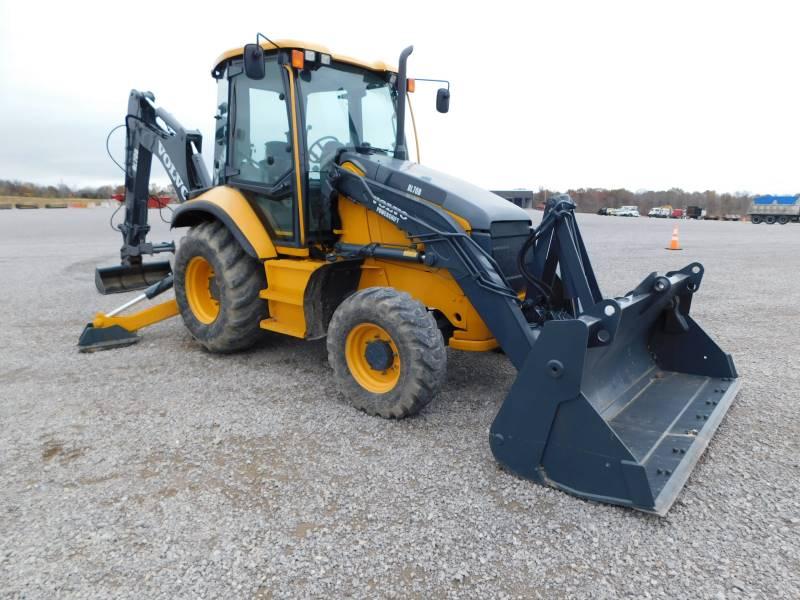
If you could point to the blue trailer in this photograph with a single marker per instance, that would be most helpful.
(775, 209)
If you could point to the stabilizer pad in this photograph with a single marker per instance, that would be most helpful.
(94, 338)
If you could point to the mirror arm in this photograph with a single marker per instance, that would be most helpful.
(445, 81)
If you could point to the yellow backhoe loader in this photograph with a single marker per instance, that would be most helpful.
(315, 223)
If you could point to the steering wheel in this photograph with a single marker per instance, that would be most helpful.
(315, 149)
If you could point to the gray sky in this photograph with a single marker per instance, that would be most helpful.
(698, 95)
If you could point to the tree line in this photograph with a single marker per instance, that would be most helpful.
(587, 199)
(593, 199)
(101, 192)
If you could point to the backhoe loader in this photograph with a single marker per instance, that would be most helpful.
(315, 223)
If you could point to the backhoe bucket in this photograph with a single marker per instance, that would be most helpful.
(127, 278)
(618, 405)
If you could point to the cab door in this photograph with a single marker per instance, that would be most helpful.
(262, 157)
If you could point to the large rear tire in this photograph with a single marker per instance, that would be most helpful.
(769, 220)
(217, 288)
(756, 219)
(387, 352)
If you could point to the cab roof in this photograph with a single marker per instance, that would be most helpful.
(284, 44)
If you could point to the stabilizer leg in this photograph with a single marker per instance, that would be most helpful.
(113, 330)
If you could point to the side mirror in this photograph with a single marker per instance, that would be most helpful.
(254, 61)
(443, 100)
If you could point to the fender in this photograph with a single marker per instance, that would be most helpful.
(229, 206)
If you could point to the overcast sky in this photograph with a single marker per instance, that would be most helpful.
(643, 95)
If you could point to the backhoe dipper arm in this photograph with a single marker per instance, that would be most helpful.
(152, 130)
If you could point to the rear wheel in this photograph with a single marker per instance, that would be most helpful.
(217, 288)
(783, 220)
(769, 220)
(387, 352)
(756, 219)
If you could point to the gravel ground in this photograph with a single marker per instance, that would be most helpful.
(160, 471)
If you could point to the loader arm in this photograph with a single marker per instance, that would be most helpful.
(449, 247)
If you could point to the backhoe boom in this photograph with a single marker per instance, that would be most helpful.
(150, 131)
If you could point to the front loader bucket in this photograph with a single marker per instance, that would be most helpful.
(618, 405)
(127, 278)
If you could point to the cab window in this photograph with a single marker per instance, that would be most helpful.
(345, 108)
(261, 150)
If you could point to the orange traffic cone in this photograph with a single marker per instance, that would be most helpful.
(674, 244)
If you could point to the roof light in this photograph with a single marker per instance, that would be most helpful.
(410, 85)
(311, 56)
(325, 59)
(298, 62)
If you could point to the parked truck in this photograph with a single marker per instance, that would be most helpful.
(693, 212)
(660, 212)
(627, 211)
(774, 209)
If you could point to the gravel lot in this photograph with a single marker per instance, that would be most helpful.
(160, 471)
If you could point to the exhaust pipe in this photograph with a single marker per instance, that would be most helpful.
(400, 143)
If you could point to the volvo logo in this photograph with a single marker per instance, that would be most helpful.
(177, 180)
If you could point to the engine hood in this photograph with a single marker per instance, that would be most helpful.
(479, 207)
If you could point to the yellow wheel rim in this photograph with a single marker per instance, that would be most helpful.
(198, 283)
(377, 380)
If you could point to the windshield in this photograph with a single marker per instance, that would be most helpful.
(346, 107)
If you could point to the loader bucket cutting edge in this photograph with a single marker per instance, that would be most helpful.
(127, 278)
(626, 422)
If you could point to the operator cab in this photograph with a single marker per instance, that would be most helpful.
(277, 135)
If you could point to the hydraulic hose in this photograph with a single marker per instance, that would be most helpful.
(539, 285)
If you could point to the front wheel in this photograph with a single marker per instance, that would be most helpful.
(756, 219)
(387, 352)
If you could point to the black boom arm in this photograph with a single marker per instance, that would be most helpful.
(153, 131)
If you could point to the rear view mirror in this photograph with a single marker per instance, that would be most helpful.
(443, 100)
(254, 61)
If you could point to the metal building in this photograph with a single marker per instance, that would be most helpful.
(520, 197)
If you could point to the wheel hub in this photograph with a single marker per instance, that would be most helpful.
(372, 358)
(379, 355)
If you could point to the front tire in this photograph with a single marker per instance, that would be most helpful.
(387, 352)
(217, 288)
